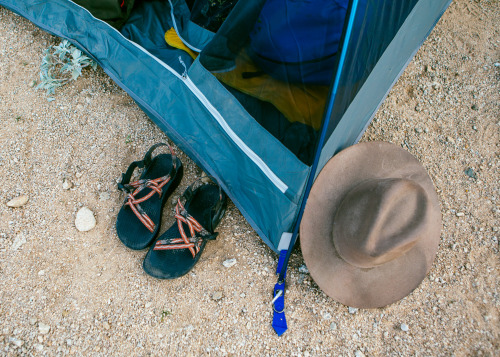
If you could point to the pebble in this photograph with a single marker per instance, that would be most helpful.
(85, 220)
(43, 328)
(33, 321)
(104, 196)
(216, 296)
(358, 353)
(326, 315)
(436, 85)
(32, 84)
(333, 326)
(18, 242)
(450, 140)
(38, 347)
(353, 310)
(470, 172)
(67, 184)
(303, 269)
(497, 64)
(404, 327)
(418, 130)
(229, 263)
(460, 214)
(16, 342)
(18, 201)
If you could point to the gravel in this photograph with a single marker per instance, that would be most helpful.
(93, 292)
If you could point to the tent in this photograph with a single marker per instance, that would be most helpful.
(265, 159)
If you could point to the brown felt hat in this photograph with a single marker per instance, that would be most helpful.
(371, 225)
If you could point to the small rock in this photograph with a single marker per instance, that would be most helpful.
(474, 127)
(16, 342)
(436, 85)
(358, 353)
(418, 130)
(353, 310)
(470, 172)
(404, 327)
(33, 321)
(85, 220)
(450, 140)
(205, 178)
(79, 175)
(18, 201)
(460, 214)
(474, 107)
(229, 262)
(497, 64)
(303, 269)
(104, 196)
(41, 272)
(43, 328)
(333, 326)
(67, 184)
(216, 296)
(38, 347)
(32, 84)
(79, 107)
(148, 304)
(18, 242)
(326, 315)
(106, 325)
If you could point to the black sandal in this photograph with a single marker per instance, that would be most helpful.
(174, 252)
(138, 221)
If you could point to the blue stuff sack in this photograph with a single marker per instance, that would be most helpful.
(297, 40)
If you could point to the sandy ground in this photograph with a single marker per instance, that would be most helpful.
(66, 292)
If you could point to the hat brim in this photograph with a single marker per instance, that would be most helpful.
(346, 283)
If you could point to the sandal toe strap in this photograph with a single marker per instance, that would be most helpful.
(198, 234)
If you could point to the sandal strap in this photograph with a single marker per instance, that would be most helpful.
(156, 185)
(197, 233)
(189, 192)
(144, 163)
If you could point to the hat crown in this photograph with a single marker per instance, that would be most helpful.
(379, 220)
